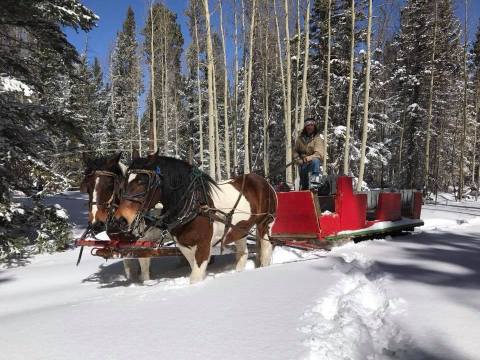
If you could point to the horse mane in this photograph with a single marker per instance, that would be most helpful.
(105, 163)
(177, 177)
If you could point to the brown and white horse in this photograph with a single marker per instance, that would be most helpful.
(196, 209)
(103, 180)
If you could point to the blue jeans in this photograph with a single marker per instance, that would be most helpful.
(313, 167)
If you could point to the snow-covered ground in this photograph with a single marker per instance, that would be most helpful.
(410, 297)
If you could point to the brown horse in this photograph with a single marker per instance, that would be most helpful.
(198, 212)
(104, 177)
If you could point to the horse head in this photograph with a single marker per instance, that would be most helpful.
(102, 181)
(152, 181)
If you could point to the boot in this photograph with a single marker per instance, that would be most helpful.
(314, 181)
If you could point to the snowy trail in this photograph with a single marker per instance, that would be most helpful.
(408, 297)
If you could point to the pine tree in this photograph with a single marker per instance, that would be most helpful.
(169, 85)
(38, 68)
(411, 80)
(125, 78)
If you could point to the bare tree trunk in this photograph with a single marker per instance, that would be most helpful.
(225, 96)
(152, 80)
(327, 102)
(288, 120)
(165, 88)
(462, 140)
(430, 102)
(366, 99)
(297, 67)
(306, 28)
(248, 95)
(176, 125)
(235, 118)
(284, 92)
(266, 167)
(199, 91)
(217, 129)
(474, 165)
(211, 114)
(346, 150)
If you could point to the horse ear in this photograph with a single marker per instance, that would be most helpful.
(118, 157)
(135, 154)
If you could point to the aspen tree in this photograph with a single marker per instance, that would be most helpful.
(430, 102)
(266, 168)
(297, 68)
(217, 130)
(327, 101)
(235, 113)
(225, 96)
(346, 152)
(475, 137)
(211, 115)
(288, 120)
(165, 86)
(366, 99)
(306, 28)
(248, 94)
(152, 82)
(199, 92)
(464, 132)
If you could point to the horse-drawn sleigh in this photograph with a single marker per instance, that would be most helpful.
(162, 206)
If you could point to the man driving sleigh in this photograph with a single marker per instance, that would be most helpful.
(309, 153)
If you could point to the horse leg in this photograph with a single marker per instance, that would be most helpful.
(241, 254)
(264, 246)
(144, 269)
(198, 258)
(129, 267)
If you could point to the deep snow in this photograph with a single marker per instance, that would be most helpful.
(410, 297)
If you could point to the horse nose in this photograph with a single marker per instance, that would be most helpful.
(120, 223)
(98, 226)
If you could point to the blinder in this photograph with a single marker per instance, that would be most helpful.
(154, 182)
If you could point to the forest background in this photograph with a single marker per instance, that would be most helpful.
(226, 85)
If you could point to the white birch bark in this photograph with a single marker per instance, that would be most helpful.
(366, 99)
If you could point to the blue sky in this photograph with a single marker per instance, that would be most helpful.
(112, 13)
